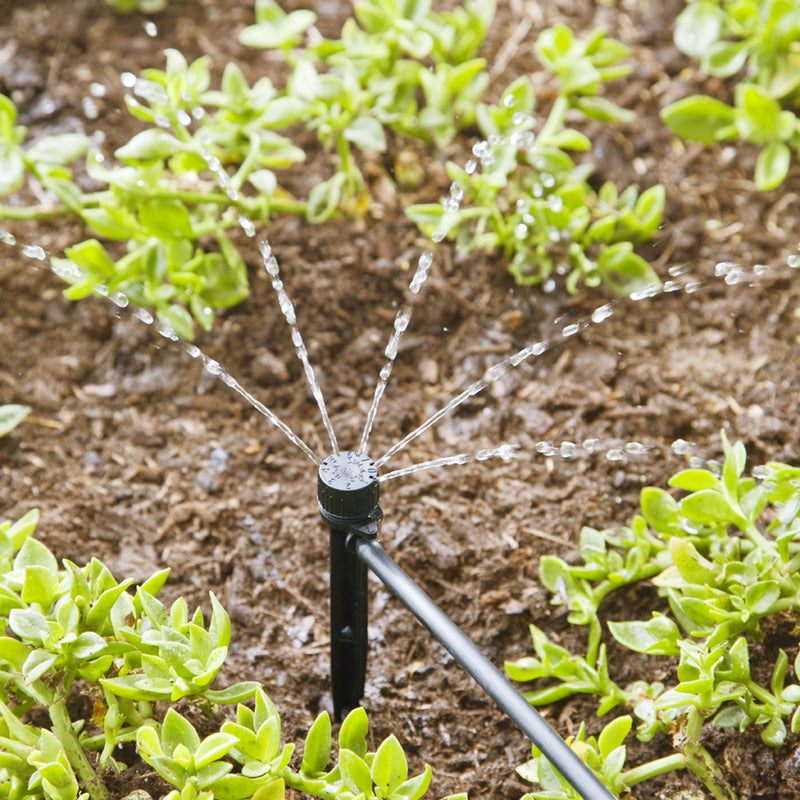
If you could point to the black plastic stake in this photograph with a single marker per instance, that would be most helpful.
(348, 493)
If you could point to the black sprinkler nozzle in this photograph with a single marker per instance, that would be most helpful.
(348, 493)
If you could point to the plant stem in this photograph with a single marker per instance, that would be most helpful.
(62, 728)
(699, 761)
(33, 213)
(653, 769)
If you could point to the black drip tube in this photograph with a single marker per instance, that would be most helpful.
(348, 492)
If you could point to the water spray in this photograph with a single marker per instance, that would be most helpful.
(348, 491)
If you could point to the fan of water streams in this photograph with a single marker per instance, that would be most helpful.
(678, 281)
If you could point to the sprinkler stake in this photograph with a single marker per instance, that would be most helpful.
(348, 493)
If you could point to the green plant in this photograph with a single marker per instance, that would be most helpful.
(76, 629)
(11, 416)
(531, 200)
(145, 6)
(723, 559)
(759, 37)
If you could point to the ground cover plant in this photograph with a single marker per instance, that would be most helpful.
(756, 41)
(171, 195)
(724, 559)
(76, 630)
(138, 458)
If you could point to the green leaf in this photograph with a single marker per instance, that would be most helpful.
(29, 624)
(166, 219)
(708, 507)
(613, 735)
(600, 108)
(317, 750)
(213, 748)
(761, 597)
(148, 146)
(389, 768)
(694, 480)
(177, 730)
(238, 693)
(697, 27)
(179, 319)
(139, 687)
(659, 509)
(59, 149)
(658, 636)
(415, 788)
(353, 733)
(35, 554)
(355, 774)
(698, 118)
(692, 566)
(367, 133)
(10, 416)
(772, 165)
(12, 169)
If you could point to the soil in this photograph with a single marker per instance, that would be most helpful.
(136, 456)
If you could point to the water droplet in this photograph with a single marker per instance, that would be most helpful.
(212, 367)
(590, 444)
(438, 235)
(198, 112)
(520, 230)
(150, 28)
(119, 300)
(694, 286)
(537, 190)
(734, 276)
(568, 450)
(571, 330)
(555, 203)
(635, 448)
(192, 350)
(450, 205)
(90, 109)
(518, 118)
(167, 331)
(677, 270)
(97, 89)
(615, 455)
(761, 472)
(539, 348)
(548, 181)
(549, 286)
(456, 191)
(602, 313)
(545, 448)
(183, 117)
(761, 269)
(34, 251)
(509, 101)
(688, 527)
(681, 447)
(724, 267)
(793, 261)
(128, 80)
(695, 462)
(8, 238)
(671, 286)
(715, 468)
(143, 315)
(470, 166)
(651, 290)
(247, 225)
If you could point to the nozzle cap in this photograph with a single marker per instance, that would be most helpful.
(347, 486)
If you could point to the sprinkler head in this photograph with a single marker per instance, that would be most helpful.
(348, 490)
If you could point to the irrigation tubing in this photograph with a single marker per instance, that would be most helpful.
(467, 654)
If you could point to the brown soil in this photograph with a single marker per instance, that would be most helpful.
(123, 450)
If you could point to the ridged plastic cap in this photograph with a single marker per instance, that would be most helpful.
(347, 486)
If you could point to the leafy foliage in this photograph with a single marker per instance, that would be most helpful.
(757, 37)
(530, 200)
(136, 658)
(724, 558)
